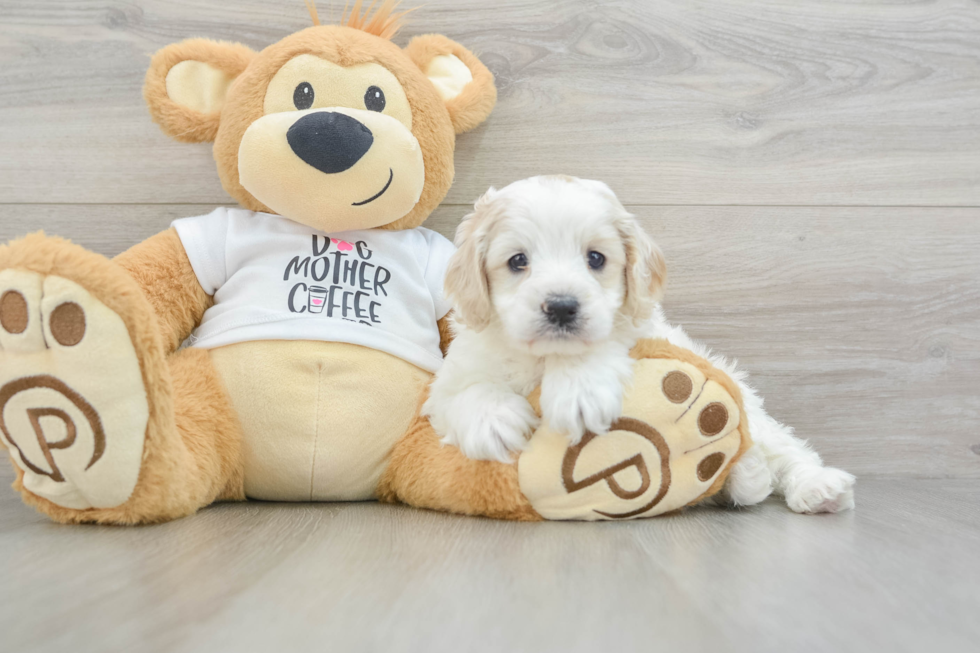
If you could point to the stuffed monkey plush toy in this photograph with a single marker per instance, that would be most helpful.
(314, 315)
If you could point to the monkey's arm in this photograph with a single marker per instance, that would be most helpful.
(160, 266)
(445, 333)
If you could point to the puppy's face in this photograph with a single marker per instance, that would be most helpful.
(557, 261)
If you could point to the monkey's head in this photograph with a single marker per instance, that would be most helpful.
(333, 126)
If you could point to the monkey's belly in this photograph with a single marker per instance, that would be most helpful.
(319, 419)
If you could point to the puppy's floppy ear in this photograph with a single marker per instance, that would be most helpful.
(187, 83)
(646, 269)
(466, 277)
(465, 84)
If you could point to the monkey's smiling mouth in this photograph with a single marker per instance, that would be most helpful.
(391, 176)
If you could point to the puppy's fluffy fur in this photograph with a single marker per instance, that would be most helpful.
(553, 284)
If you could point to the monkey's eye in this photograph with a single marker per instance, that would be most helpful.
(596, 260)
(374, 99)
(518, 262)
(303, 96)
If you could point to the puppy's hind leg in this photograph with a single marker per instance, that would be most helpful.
(797, 470)
(749, 482)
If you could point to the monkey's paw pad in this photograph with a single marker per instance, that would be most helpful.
(73, 408)
(673, 445)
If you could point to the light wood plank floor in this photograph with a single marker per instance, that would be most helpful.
(812, 171)
(899, 574)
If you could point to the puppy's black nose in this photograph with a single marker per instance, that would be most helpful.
(561, 310)
(330, 142)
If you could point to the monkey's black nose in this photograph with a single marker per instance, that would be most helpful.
(330, 142)
(561, 310)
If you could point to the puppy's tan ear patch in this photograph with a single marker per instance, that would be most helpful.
(187, 83)
(463, 82)
(646, 269)
(466, 283)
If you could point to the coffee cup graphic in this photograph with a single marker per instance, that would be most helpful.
(318, 297)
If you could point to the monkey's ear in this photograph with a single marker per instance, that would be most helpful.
(465, 84)
(187, 83)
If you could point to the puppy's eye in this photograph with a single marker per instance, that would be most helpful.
(596, 260)
(374, 99)
(518, 262)
(303, 96)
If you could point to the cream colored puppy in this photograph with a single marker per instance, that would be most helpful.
(553, 284)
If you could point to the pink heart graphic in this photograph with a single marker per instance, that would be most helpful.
(342, 245)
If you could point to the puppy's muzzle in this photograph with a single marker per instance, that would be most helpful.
(561, 311)
(330, 142)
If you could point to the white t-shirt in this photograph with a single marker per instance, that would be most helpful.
(275, 279)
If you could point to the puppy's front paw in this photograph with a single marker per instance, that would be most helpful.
(821, 489)
(573, 408)
(491, 426)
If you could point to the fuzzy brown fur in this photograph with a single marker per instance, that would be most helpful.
(424, 473)
(445, 334)
(161, 268)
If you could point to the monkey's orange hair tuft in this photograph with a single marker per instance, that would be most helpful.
(314, 14)
(382, 21)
